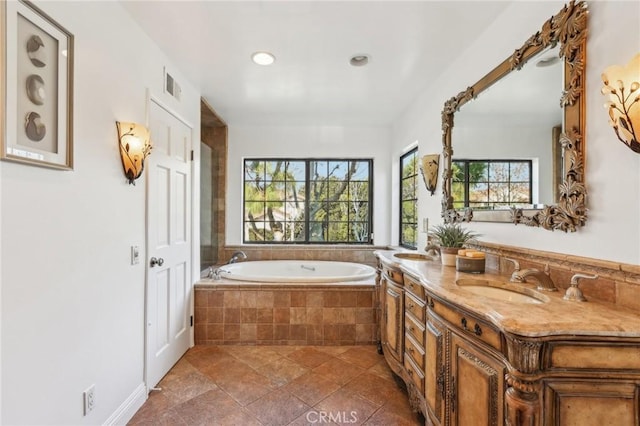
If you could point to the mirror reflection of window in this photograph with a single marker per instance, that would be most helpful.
(519, 117)
(491, 184)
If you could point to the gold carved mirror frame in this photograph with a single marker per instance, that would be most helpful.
(568, 28)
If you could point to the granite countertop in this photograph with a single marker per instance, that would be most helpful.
(553, 317)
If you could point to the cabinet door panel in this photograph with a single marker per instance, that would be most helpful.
(435, 371)
(393, 320)
(477, 385)
(578, 403)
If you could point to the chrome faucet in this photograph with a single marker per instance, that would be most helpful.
(237, 256)
(215, 273)
(542, 278)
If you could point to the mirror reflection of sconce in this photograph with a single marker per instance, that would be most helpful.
(135, 146)
(622, 84)
(429, 169)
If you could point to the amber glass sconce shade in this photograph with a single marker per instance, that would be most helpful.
(429, 169)
(135, 146)
(622, 84)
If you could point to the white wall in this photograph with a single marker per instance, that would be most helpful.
(72, 305)
(308, 142)
(613, 171)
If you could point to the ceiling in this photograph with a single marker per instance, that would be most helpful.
(311, 82)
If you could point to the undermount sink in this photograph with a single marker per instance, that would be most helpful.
(498, 290)
(413, 256)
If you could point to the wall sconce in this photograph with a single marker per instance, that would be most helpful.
(134, 148)
(429, 170)
(622, 84)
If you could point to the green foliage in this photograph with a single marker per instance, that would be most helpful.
(336, 201)
(451, 235)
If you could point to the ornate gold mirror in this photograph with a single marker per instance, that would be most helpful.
(556, 197)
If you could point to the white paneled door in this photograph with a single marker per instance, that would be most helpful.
(168, 243)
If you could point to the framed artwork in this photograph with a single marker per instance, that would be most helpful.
(36, 87)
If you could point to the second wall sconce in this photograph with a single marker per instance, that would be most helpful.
(622, 84)
(429, 169)
(135, 146)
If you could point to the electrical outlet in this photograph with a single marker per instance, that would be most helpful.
(89, 399)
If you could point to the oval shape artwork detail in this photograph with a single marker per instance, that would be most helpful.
(34, 128)
(35, 89)
(36, 52)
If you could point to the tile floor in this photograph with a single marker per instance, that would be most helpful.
(279, 385)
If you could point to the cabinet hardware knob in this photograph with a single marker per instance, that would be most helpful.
(477, 330)
(410, 372)
(411, 349)
(463, 321)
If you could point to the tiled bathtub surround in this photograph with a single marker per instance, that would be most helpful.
(285, 314)
(617, 283)
(358, 254)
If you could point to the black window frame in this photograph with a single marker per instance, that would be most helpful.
(490, 204)
(401, 223)
(307, 185)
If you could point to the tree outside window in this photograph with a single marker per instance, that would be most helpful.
(409, 199)
(307, 201)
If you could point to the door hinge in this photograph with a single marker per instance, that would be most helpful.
(191, 320)
(191, 155)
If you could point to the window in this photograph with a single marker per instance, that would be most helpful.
(409, 199)
(489, 184)
(308, 201)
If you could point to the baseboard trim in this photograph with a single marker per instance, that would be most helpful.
(129, 407)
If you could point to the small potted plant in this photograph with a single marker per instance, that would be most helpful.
(450, 237)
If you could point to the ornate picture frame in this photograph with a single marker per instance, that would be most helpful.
(568, 29)
(36, 87)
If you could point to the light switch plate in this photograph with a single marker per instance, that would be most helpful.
(135, 255)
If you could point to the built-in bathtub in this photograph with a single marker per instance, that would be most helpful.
(297, 271)
(287, 302)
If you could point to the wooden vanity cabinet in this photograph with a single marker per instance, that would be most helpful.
(465, 376)
(403, 320)
(392, 317)
(415, 315)
(462, 368)
(391, 312)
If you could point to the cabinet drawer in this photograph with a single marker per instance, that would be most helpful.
(414, 328)
(414, 350)
(395, 276)
(415, 306)
(414, 287)
(415, 374)
(468, 325)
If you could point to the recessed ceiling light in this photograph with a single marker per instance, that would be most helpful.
(359, 60)
(263, 58)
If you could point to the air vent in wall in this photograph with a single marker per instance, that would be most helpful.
(171, 86)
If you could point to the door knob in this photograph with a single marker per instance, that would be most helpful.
(153, 262)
